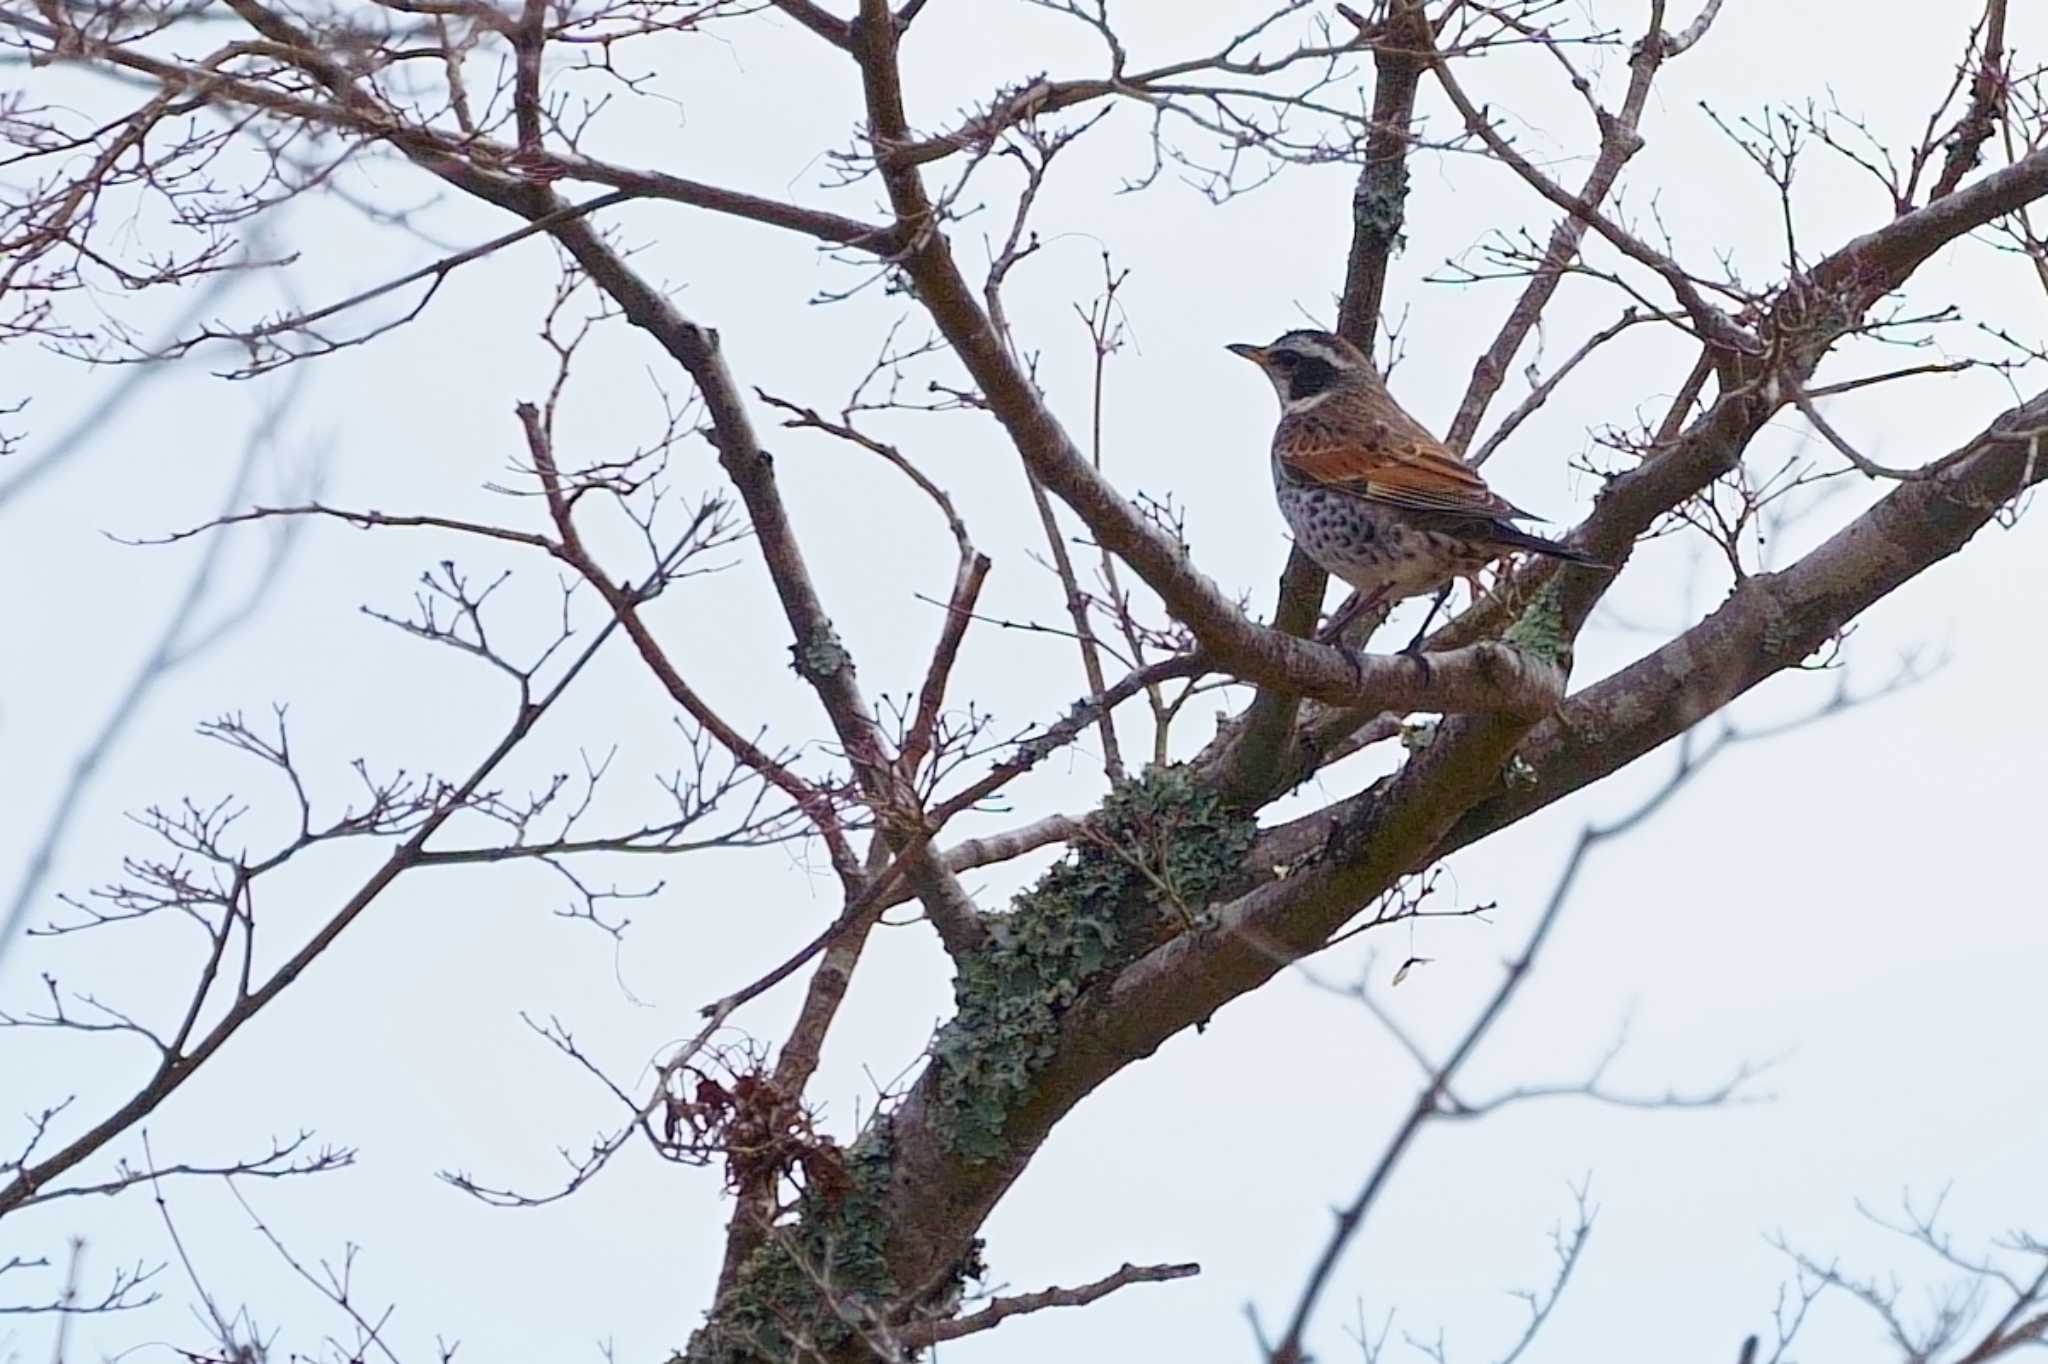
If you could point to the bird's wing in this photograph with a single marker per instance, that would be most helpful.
(1388, 458)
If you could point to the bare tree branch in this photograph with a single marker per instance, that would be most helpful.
(1002, 1309)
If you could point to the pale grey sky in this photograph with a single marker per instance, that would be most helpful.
(1856, 896)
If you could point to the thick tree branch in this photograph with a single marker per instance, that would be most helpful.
(819, 656)
(1809, 316)
(1257, 756)
(823, 661)
(819, 20)
(1379, 202)
(1774, 621)
(1477, 681)
(939, 1194)
(1340, 858)
(911, 1193)
(1771, 623)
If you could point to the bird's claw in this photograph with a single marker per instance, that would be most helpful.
(1355, 656)
(1413, 650)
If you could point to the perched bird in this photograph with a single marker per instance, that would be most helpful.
(1369, 494)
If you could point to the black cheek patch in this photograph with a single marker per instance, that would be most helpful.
(1309, 376)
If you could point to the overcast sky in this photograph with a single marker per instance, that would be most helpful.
(1856, 898)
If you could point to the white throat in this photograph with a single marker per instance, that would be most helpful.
(1295, 406)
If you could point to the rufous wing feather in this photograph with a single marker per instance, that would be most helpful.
(1406, 468)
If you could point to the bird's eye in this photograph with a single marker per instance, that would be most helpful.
(1286, 359)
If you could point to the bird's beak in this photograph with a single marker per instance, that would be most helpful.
(1255, 354)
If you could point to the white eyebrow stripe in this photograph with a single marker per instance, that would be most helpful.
(1314, 349)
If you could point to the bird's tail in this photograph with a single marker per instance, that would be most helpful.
(1513, 537)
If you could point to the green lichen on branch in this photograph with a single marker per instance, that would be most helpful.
(1379, 207)
(819, 655)
(1155, 855)
(815, 1277)
(1540, 630)
(1152, 859)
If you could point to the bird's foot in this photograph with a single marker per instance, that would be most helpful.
(1355, 656)
(1413, 648)
(1413, 651)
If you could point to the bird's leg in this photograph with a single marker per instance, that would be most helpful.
(1345, 614)
(1354, 654)
(1413, 647)
(1333, 633)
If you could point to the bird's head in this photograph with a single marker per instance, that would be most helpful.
(1307, 366)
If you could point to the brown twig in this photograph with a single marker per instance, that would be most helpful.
(1620, 140)
(191, 1047)
(816, 804)
(999, 1310)
(1711, 324)
(1540, 392)
(1965, 142)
